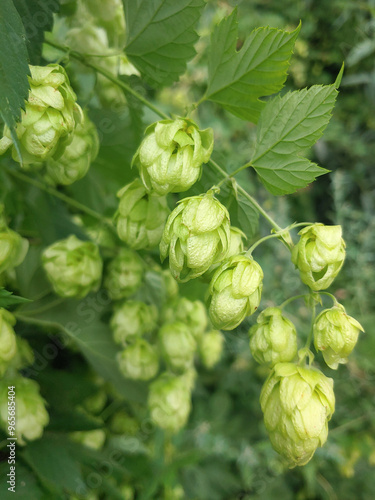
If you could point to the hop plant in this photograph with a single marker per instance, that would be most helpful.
(94, 439)
(191, 313)
(140, 216)
(171, 155)
(132, 319)
(319, 255)
(235, 291)
(211, 348)
(236, 246)
(31, 413)
(8, 343)
(196, 236)
(273, 339)
(335, 335)
(13, 248)
(77, 157)
(297, 404)
(74, 267)
(124, 274)
(178, 345)
(50, 116)
(139, 361)
(169, 401)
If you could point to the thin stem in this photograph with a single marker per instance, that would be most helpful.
(69, 201)
(291, 299)
(39, 322)
(251, 249)
(335, 301)
(109, 76)
(45, 308)
(313, 314)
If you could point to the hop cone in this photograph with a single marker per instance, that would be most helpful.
(124, 274)
(211, 348)
(8, 343)
(74, 267)
(139, 361)
(171, 155)
(273, 339)
(50, 116)
(319, 255)
(13, 248)
(235, 292)
(192, 313)
(196, 236)
(141, 216)
(178, 345)
(132, 319)
(297, 404)
(335, 334)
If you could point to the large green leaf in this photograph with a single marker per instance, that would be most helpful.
(14, 85)
(238, 79)
(287, 126)
(37, 17)
(161, 36)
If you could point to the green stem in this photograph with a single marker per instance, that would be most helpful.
(39, 322)
(291, 299)
(335, 301)
(251, 249)
(45, 308)
(69, 201)
(82, 58)
(310, 336)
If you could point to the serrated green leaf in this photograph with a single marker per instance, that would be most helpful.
(161, 37)
(238, 79)
(8, 299)
(37, 17)
(287, 126)
(14, 68)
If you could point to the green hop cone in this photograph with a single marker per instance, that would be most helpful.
(124, 274)
(140, 216)
(273, 339)
(211, 348)
(8, 342)
(74, 267)
(13, 248)
(94, 439)
(132, 319)
(335, 335)
(170, 284)
(235, 291)
(196, 236)
(319, 255)
(177, 345)
(77, 157)
(169, 401)
(31, 413)
(191, 313)
(236, 246)
(171, 155)
(50, 116)
(139, 361)
(297, 404)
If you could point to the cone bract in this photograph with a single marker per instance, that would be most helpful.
(192, 313)
(235, 291)
(124, 274)
(171, 155)
(132, 319)
(297, 404)
(335, 335)
(74, 267)
(196, 236)
(211, 348)
(178, 345)
(319, 255)
(274, 338)
(141, 216)
(139, 361)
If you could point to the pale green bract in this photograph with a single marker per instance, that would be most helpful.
(13, 248)
(297, 404)
(31, 413)
(74, 267)
(124, 274)
(141, 216)
(274, 338)
(8, 343)
(211, 347)
(319, 255)
(77, 157)
(169, 401)
(177, 345)
(235, 291)
(171, 155)
(335, 335)
(236, 246)
(192, 313)
(139, 361)
(132, 319)
(50, 116)
(196, 236)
